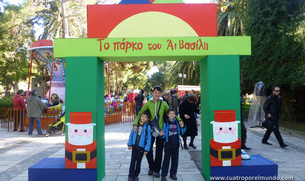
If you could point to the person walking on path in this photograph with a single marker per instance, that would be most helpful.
(172, 132)
(174, 101)
(19, 107)
(34, 105)
(139, 143)
(273, 110)
(243, 128)
(139, 101)
(153, 106)
(187, 112)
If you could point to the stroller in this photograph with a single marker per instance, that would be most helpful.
(59, 124)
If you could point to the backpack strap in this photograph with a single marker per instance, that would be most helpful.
(159, 109)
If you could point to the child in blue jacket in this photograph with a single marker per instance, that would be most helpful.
(139, 142)
(172, 131)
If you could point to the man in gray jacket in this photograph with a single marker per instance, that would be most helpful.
(34, 111)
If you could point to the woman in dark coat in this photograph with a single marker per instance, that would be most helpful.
(186, 111)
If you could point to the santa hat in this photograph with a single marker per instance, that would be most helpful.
(224, 115)
(81, 118)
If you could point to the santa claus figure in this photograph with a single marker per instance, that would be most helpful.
(80, 146)
(225, 147)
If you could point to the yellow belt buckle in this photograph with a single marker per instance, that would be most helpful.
(74, 153)
(224, 159)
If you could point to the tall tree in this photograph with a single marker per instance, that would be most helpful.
(230, 17)
(16, 33)
(277, 49)
(190, 68)
(65, 18)
(130, 75)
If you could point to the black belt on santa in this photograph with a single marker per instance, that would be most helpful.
(225, 154)
(80, 156)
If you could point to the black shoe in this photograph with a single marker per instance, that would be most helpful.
(136, 178)
(173, 176)
(15, 129)
(22, 130)
(163, 178)
(150, 172)
(245, 148)
(157, 174)
(186, 147)
(266, 143)
(284, 145)
(193, 146)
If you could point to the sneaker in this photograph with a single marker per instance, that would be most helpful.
(163, 178)
(157, 174)
(22, 130)
(173, 176)
(150, 172)
(266, 143)
(136, 178)
(130, 179)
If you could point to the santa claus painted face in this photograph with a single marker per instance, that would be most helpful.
(80, 134)
(225, 132)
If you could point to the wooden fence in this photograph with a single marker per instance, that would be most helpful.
(16, 120)
(120, 114)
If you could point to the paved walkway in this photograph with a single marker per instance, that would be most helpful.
(18, 151)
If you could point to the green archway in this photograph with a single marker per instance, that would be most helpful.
(218, 56)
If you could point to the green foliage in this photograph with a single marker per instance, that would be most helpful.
(156, 78)
(16, 33)
(231, 16)
(130, 75)
(190, 68)
(65, 19)
(277, 49)
(6, 102)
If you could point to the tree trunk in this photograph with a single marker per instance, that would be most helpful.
(16, 87)
(8, 88)
(64, 19)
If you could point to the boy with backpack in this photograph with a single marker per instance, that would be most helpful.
(172, 131)
(139, 142)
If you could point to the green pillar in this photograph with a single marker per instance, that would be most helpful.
(85, 93)
(220, 87)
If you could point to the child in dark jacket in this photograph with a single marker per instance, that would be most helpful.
(139, 142)
(172, 131)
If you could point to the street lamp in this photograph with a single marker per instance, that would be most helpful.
(183, 76)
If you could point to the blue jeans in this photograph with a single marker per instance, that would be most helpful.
(38, 125)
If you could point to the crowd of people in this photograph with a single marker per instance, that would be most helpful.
(177, 117)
